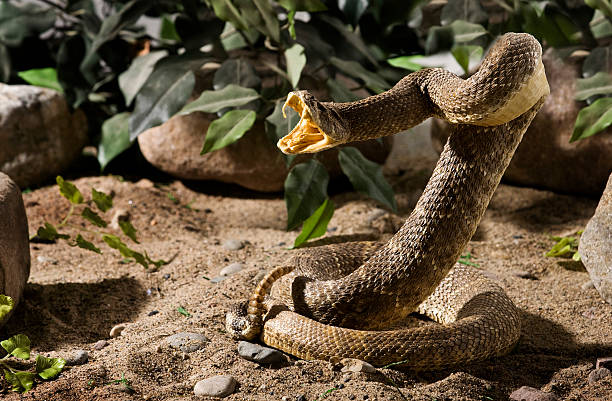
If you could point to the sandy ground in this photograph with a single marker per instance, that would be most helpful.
(75, 297)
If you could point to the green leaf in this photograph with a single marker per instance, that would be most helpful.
(563, 247)
(598, 84)
(467, 260)
(464, 54)
(598, 60)
(168, 30)
(600, 25)
(291, 23)
(353, 9)
(356, 70)
(351, 38)
(84, 244)
(183, 311)
(69, 190)
(303, 5)
(225, 10)
(270, 26)
(103, 201)
(19, 21)
(6, 306)
(339, 92)
(366, 176)
(110, 28)
(406, 62)
(133, 79)
(214, 101)
(593, 119)
(464, 31)
(48, 368)
(604, 6)
(305, 190)
(93, 217)
(115, 242)
(277, 126)
(228, 129)
(296, 60)
(115, 138)
(316, 225)
(19, 381)
(236, 72)
(43, 77)
(129, 230)
(49, 233)
(18, 346)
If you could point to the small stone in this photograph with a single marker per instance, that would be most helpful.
(231, 269)
(599, 374)
(233, 245)
(78, 357)
(216, 386)
(524, 274)
(187, 342)
(44, 259)
(100, 344)
(527, 393)
(284, 398)
(356, 365)
(152, 313)
(300, 397)
(145, 183)
(117, 330)
(588, 285)
(217, 279)
(166, 276)
(340, 386)
(259, 354)
(604, 363)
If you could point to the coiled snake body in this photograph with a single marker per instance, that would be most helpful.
(339, 301)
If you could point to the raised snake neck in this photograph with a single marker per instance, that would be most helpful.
(403, 273)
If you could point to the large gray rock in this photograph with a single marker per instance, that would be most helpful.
(39, 136)
(252, 162)
(596, 245)
(545, 158)
(14, 243)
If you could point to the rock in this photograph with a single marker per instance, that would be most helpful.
(253, 162)
(300, 397)
(117, 330)
(39, 137)
(356, 365)
(231, 269)
(187, 342)
(233, 245)
(545, 158)
(587, 285)
(216, 386)
(527, 393)
(595, 246)
(119, 215)
(153, 313)
(604, 363)
(524, 274)
(78, 357)
(14, 241)
(44, 259)
(599, 374)
(100, 344)
(259, 354)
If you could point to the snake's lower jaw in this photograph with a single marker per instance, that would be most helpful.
(307, 136)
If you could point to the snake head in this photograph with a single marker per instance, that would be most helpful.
(313, 133)
(240, 324)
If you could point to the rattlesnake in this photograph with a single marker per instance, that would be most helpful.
(339, 301)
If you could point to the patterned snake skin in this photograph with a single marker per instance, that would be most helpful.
(346, 300)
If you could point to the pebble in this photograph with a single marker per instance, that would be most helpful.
(524, 274)
(284, 398)
(300, 397)
(216, 386)
(119, 215)
(187, 342)
(527, 393)
(152, 313)
(233, 245)
(217, 279)
(231, 269)
(78, 357)
(44, 259)
(599, 374)
(356, 365)
(604, 363)
(100, 344)
(166, 276)
(117, 330)
(259, 354)
(144, 183)
(588, 285)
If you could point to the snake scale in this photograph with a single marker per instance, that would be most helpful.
(348, 300)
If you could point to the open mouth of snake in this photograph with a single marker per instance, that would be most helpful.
(307, 136)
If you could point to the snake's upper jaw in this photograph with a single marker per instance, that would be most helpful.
(307, 136)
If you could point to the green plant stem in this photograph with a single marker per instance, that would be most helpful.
(63, 223)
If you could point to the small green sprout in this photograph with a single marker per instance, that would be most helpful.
(467, 260)
(123, 381)
(565, 246)
(183, 311)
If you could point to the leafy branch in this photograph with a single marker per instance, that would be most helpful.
(103, 202)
